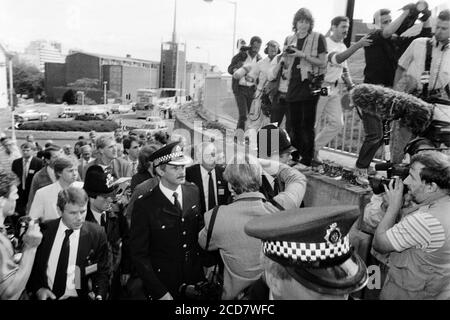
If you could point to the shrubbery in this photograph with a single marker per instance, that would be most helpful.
(85, 126)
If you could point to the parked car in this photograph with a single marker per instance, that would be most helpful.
(157, 120)
(68, 112)
(148, 129)
(121, 108)
(30, 115)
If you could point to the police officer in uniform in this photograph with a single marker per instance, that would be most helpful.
(164, 229)
(307, 255)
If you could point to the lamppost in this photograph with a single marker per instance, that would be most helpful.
(235, 16)
(104, 91)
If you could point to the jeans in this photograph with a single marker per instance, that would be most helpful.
(280, 108)
(331, 108)
(244, 97)
(400, 136)
(373, 127)
(303, 118)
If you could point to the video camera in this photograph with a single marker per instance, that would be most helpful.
(392, 170)
(315, 85)
(420, 8)
(203, 290)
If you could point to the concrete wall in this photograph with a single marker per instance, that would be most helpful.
(219, 98)
(80, 65)
(133, 79)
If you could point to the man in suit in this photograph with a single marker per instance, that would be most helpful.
(73, 253)
(108, 159)
(164, 229)
(104, 210)
(85, 159)
(269, 149)
(25, 168)
(208, 177)
(131, 150)
(46, 175)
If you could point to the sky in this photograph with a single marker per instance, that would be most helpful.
(137, 27)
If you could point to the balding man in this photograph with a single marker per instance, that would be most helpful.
(86, 158)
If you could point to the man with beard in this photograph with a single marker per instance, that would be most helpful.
(418, 245)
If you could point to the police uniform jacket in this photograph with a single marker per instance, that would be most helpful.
(164, 241)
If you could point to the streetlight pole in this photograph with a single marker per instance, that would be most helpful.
(235, 18)
(11, 99)
(104, 91)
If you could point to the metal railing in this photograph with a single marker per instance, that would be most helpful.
(350, 139)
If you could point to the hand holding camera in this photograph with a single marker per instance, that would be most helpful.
(394, 193)
(33, 236)
(293, 51)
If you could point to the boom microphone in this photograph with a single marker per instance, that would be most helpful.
(388, 104)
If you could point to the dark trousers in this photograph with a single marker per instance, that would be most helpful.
(280, 108)
(303, 119)
(373, 128)
(244, 97)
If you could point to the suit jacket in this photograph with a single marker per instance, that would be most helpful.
(17, 167)
(40, 180)
(120, 167)
(194, 175)
(92, 246)
(118, 234)
(164, 242)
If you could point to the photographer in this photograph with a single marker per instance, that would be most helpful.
(306, 64)
(14, 274)
(244, 82)
(423, 70)
(418, 245)
(381, 62)
(337, 78)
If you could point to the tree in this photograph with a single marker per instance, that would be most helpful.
(70, 96)
(27, 79)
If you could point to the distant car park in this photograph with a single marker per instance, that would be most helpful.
(68, 112)
(121, 108)
(149, 129)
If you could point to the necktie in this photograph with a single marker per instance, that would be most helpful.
(59, 285)
(176, 202)
(133, 168)
(24, 173)
(103, 220)
(211, 195)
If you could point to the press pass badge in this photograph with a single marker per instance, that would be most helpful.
(91, 269)
(221, 191)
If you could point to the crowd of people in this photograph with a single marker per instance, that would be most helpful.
(128, 217)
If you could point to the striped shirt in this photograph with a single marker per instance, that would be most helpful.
(7, 265)
(419, 230)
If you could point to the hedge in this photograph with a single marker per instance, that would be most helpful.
(84, 126)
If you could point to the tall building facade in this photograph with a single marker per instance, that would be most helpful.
(173, 65)
(40, 52)
(124, 75)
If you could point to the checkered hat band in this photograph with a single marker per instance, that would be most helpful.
(307, 252)
(167, 158)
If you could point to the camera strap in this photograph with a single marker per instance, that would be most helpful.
(429, 47)
(212, 220)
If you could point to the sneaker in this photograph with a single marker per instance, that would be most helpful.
(361, 177)
(302, 168)
(317, 166)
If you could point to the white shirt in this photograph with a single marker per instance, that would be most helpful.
(253, 73)
(169, 194)
(205, 181)
(413, 61)
(334, 69)
(44, 202)
(54, 256)
(97, 216)
(264, 68)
